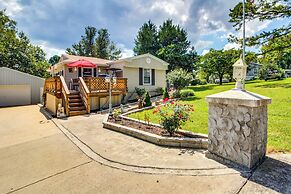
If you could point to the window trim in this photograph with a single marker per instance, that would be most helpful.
(143, 72)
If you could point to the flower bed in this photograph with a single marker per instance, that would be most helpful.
(155, 133)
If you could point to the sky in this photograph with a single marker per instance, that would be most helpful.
(55, 25)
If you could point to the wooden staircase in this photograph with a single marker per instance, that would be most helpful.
(76, 104)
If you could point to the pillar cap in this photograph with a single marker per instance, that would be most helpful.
(239, 97)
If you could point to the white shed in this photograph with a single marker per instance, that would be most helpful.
(18, 88)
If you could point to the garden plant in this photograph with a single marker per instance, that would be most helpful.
(173, 115)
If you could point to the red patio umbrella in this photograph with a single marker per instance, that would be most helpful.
(81, 63)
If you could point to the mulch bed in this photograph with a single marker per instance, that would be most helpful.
(144, 127)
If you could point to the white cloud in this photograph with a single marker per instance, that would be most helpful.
(125, 52)
(178, 10)
(201, 44)
(12, 7)
(49, 49)
(229, 46)
(204, 52)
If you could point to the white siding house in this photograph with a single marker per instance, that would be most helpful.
(18, 88)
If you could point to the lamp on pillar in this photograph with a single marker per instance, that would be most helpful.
(239, 73)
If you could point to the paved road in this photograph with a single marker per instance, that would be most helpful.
(36, 157)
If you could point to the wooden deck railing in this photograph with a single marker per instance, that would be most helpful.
(53, 86)
(98, 84)
(85, 94)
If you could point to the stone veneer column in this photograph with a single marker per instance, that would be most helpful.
(237, 127)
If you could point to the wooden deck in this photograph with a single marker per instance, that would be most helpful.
(86, 88)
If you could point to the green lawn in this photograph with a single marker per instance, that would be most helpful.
(279, 124)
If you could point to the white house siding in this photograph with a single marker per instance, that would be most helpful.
(132, 74)
(13, 78)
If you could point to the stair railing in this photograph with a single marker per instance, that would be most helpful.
(65, 94)
(85, 94)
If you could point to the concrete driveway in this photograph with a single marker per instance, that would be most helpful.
(36, 157)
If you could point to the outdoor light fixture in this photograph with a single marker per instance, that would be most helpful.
(240, 67)
(239, 73)
(75, 68)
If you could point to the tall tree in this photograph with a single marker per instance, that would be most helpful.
(54, 59)
(92, 46)
(263, 10)
(147, 39)
(169, 43)
(175, 48)
(17, 52)
(104, 48)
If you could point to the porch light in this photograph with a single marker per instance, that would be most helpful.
(99, 70)
(239, 73)
(75, 68)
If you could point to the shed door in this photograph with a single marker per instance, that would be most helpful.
(12, 95)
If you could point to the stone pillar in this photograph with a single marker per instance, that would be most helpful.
(237, 127)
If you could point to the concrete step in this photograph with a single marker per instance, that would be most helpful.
(77, 112)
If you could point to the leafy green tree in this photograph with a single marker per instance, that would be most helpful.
(175, 46)
(219, 62)
(147, 39)
(280, 57)
(263, 10)
(17, 52)
(104, 48)
(271, 71)
(95, 44)
(169, 42)
(54, 59)
(179, 78)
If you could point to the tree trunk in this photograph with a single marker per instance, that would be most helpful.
(220, 80)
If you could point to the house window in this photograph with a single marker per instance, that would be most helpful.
(147, 75)
(87, 72)
(70, 70)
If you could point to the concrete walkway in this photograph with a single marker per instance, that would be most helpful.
(80, 156)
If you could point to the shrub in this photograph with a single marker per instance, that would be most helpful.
(203, 82)
(271, 71)
(173, 115)
(176, 94)
(116, 113)
(140, 92)
(179, 78)
(159, 90)
(186, 93)
(147, 100)
(165, 93)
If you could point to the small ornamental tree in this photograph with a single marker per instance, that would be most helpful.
(165, 93)
(147, 100)
(173, 115)
(179, 78)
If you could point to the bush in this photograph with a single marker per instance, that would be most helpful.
(165, 93)
(147, 100)
(179, 78)
(186, 93)
(159, 90)
(271, 71)
(173, 116)
(116, 113)
(140, 92)
(203, 82)
(176, 94)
